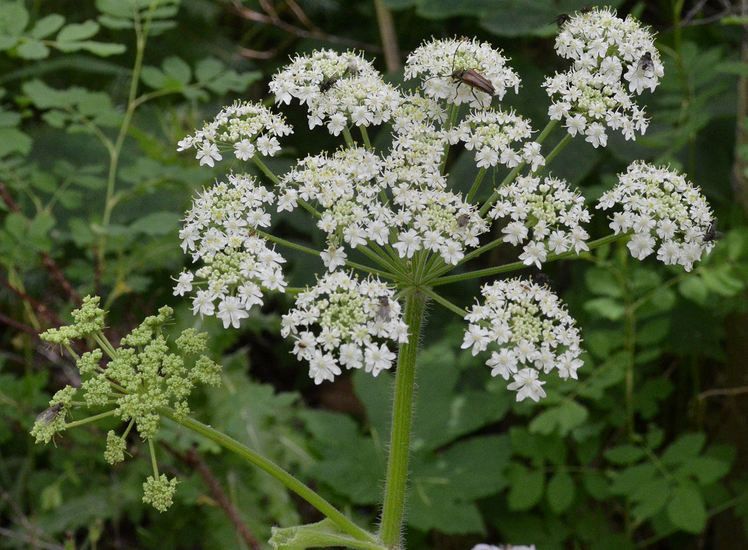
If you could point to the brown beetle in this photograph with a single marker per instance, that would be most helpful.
(469, 77)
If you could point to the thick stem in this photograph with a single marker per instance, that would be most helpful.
(274, 470)
(402, 412)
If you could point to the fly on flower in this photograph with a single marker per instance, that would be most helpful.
(384, 312)
(561, 19)
(328, 83)
(48, 415)
(712, 234)
(463, 220)
(645, 64)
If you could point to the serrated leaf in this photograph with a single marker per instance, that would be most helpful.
(704, 469)
(526, 488)
(686, 508)
(624, 454)
(153, 77)
(78, 31)
(607, 308)
(685, 447)
(560, 492)
(564, 418)
(631, 479)
(47, 26)
(650, 499)
(32, 49)
(208, 68)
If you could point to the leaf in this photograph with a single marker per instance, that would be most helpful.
(102, 49)
(38, 233)
(47, 26)
(705, 469)
(177, 69)
(78, 31)
(630, 480)
(15, 224)
(32, 49)
(602, 282)
(650, 499)
(685, 447)
(156, 223)
(14, 141)
(565, 417)
(324, 534)
(153, 77)
(560, 492)
(624, 454)
(686, 508)
(208, 68)
(13, 18)
(526, 487)
(693, 288)
(606, 308)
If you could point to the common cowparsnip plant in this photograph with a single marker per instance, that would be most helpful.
(395, 230)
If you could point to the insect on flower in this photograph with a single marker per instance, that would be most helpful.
(48, 415)
(712, 234)
(562, 18)
(645, 64)
(462, 220)
(328, 83)
(383, 309)
(469, 77)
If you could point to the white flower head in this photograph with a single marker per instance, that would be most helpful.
(665, 213)
(609, 54)
(492, 134)
(440, 64)
(543, 216)
(344, 322)
(528, 332)
(248, 128)
(219, 231)
(339, 89)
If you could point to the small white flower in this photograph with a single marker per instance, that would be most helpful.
(231, 311)
(184, 283)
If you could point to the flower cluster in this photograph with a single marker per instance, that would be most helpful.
(663, 210)
(135, 382)
(339, 322)
(251, 128)
(439, 64)
(607, 52)
(532, 331)
(338, 88)
(221, 230)
(491, 134)
(545, 212)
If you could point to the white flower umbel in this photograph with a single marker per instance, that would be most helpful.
(237, 263)
(248, 128)
(491, 133)
(546, 214)
(339, 89)
(440, 62)
(530, 332)
(609, 54)
(664, 211)
(341, 322)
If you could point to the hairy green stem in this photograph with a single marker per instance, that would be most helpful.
(274, 470)
(476, 184)
(88, 420)
(365, 136)
(402, 412)
(444, 302)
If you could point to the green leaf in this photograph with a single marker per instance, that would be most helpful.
(47, 26)
(650, 499)
(693, 288)
(705, 469)
(565, 417)
(653, 331)
(607, 308)
(560, 492)
(686, 508)
(630, 480)
(15, 224)
(14, 141)
(78, 31)
(685, 447)
(102, 49)
(13, 18)
(602, 282)
(156, 223)
(208, 68)
(526, 487)
(596, 485)
(32, 49)
(153, 77)
(39, 229)
(624, 454)
(177, 69)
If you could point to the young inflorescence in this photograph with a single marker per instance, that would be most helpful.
(530, 332)
(661, 208)
(341, 321)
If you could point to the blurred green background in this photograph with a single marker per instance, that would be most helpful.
(647, 450)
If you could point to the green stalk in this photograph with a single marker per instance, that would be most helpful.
(154, 464)
(476, 185)
(365, 136)
(514, 266)
(274, 470)
(88, 420)
(402, 412)
(265, 170)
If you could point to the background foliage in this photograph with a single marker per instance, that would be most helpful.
(647, 450)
